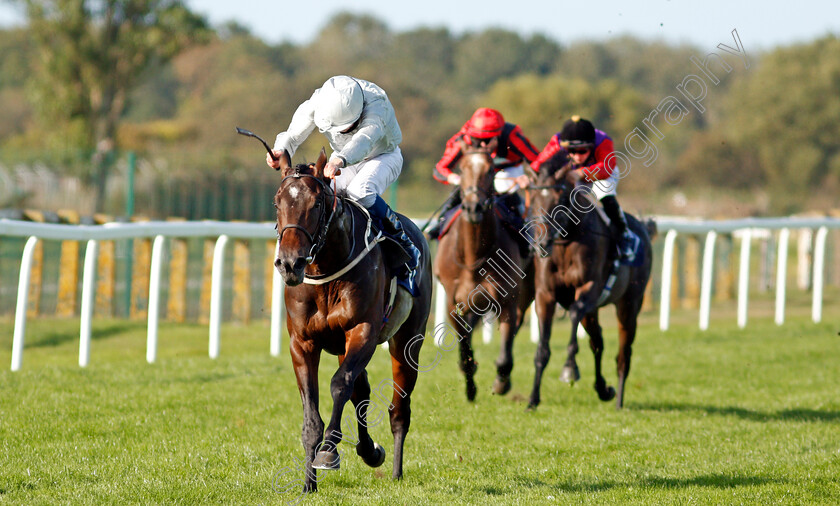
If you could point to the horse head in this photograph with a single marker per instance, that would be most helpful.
(477, 172)
(305, 207)
(552, 194)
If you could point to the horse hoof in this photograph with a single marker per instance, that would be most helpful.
(607, 395)
(532, 406)
(328, 461)
(378, 457)
(471, 391)
(570, 375)
(501, 386)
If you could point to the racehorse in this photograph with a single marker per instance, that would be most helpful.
(337, 280)
(481, 269)
(577, 266)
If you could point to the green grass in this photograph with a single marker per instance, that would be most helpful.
(718, 417)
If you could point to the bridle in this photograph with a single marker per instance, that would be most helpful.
(563, 187)
(318, 239)
(485, 196)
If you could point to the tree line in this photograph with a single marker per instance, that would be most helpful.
(84, 80)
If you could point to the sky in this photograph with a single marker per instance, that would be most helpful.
(705, 24)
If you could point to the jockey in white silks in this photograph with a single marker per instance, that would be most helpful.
(359, 122)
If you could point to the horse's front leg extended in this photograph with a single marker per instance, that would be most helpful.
(359, 348)
(305, 360)
(372, 453)
(468, 364)
(504, 363)
(596, 344)
(586, 300)
(545, 304)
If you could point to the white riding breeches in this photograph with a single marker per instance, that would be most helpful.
(369, 178)
(607, 186)
(504, 179)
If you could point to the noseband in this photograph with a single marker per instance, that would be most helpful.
(563, 188)
(319, 238)
(485, 196)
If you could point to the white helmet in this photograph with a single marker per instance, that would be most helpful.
(339, 104)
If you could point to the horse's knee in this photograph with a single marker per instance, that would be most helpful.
(543, 354)
(341, 384)
(401, 417)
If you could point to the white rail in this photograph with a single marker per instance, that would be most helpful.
(746, 228)
(225, 231)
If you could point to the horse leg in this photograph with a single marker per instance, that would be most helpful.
(571, 373)
(305, 360)
(371, 453)
(596, 344)
(628, 312)
(468, 364)
(359, 347)
(504, 363)
(545, 304)
(585, 302)
(405, 378)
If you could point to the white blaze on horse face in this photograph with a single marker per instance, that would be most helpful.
(545, 193)
(293, 192)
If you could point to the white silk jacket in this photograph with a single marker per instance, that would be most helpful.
(378, 131)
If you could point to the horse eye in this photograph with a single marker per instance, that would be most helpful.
(318, 204)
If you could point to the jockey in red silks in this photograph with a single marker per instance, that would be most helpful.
(358, 120)
(591, 150)
(513, 148)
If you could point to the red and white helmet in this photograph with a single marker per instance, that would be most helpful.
(485, 123)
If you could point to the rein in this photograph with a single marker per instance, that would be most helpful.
(324, 278)
(551, 230)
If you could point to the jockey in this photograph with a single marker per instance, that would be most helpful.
(359, 122)
(590, 150)
(512, 148)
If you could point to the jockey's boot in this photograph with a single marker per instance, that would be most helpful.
(390, 222)
(627, 241)
(433, 232)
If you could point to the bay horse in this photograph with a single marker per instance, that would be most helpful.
(479, 264)
(576, 265)
(336, 285)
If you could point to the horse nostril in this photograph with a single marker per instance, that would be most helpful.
(300, 263)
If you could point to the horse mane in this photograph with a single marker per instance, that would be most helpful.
(309, 169)
(551, 167)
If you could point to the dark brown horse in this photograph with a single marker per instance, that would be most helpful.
(480, 266)
(338, 306)
(574, 262)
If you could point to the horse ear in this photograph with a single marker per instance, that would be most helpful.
(561, 174)
(531, 173)
(463, 143)
(285, 162)
(492, 145)
(320, 163)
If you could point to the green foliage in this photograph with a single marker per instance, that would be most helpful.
(485, 57)
(540, 105)
(786, 111)
(90, 56)
(772, 126)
